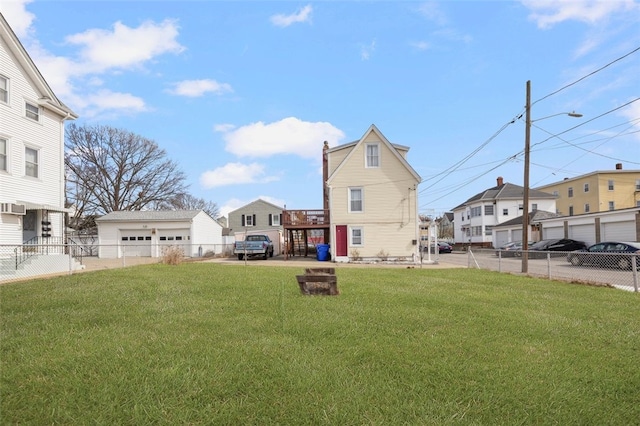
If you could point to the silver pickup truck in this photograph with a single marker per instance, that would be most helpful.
(254, 245)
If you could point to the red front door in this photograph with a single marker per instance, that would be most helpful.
(341, 240)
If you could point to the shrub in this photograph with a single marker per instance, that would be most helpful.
(172, 255)
(383, 255)
(355, 255)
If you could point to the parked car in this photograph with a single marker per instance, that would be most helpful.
(607, 254)
(442, 247)
(539, 249)
(512, 249)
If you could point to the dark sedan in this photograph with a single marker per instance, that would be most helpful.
(539, 249)
(442, 248)
(608, 254)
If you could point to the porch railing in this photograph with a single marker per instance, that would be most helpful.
(305, 218)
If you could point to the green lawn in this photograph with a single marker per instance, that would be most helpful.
(215, 344)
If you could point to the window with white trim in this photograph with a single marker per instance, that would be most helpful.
(4, 89)
(610, 185)
(476, 231)
(505, 212)
(32, 111)
(587, 208)
(534, 206)
(637, 184)
(612, 205)
(373, 155)
(488, 210)
(275, 220)
(3, 155)
(570, 210)
(476, 211)
(355, 200)
(586, 187)
(357, 236)
(570, 191)
(488, 230)
(31, 162)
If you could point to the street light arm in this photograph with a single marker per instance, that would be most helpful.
(570, 114)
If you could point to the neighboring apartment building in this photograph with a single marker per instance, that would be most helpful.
(373, 200)
(476, 217)
(32, 190)
(597, 191)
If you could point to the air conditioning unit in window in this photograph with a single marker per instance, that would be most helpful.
(11, 208)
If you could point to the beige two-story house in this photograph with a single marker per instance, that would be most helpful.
(598, 191)
(372, 194)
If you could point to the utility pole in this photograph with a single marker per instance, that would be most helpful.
(525, 201)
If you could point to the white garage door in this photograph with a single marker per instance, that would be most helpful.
(585, 233)
(619, 231)
(502, 238)
(136, 243)
(552, 232)
(178, 238)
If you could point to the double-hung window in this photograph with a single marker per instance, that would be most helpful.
(586, 187)
(356, 236)
(3, 155)
(373, 155)
(610, 185)
(355, 200)
(570, 192)
(31, 162)
(32, 111)
(4, 89)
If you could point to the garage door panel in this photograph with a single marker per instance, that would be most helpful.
(619, 231)
(585, 233)
(136, 243)
(552, 232)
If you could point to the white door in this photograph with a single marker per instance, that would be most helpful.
(135, 242)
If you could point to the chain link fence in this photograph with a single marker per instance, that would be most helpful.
(620, 270)
(19, 262)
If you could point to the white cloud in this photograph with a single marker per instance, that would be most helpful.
(16, 14)
(197, 88)
(125, 47)
(420, 45)
(287, 136)
(547, 13)
(235, 174)
(105, 103)
(432, 11)
(303, 15)
(367, 50)
(223, 128)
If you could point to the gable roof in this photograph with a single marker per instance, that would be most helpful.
(48, 99)
(258, 201)
(506, 191)
(150, 215)
(392, 147)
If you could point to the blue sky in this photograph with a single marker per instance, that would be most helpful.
(242, 94)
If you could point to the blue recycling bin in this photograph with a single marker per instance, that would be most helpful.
(322, 252)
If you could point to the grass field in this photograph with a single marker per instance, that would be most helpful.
(229, 344)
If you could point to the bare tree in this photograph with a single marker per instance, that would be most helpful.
(190, 202)
(109, 169)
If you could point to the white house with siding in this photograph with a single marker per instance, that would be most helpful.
(476, 218)
(149, 233)
(373, 200)
(32, 183)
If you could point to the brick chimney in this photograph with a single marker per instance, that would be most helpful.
(500, 181)
(618, 166)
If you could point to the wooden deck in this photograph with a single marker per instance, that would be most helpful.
(305, 219)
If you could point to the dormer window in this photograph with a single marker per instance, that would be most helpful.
(32, 111)
(373, 155)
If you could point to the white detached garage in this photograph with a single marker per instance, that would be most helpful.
(148, 233)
